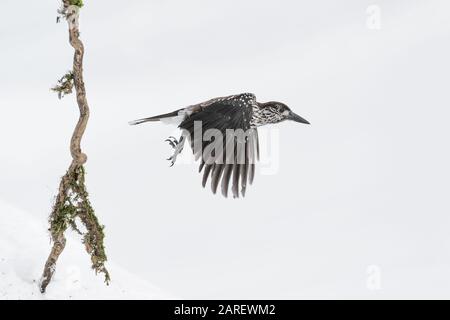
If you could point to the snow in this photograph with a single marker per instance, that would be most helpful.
(24, 246)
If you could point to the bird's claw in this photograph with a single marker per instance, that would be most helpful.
(172, 141)
(172, 160)
(178, 146)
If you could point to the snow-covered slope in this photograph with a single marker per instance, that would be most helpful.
(24, 246)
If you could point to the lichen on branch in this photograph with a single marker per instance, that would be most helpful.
(64, 10)
(65, 85)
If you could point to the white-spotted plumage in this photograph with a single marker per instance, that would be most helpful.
(237, 112)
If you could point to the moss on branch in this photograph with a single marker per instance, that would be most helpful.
(73, 205)
(78, 3)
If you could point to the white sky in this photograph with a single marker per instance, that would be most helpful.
(366, 184)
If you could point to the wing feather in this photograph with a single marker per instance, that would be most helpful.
(233, 112)
(226, 179)
(236, 175)
(206, 174)
(244, 175)
(216, 175)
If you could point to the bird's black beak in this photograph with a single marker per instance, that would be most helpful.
(295, 117)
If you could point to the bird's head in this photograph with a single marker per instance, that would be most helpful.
(274, 112)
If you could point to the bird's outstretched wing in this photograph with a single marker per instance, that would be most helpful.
(218, 115)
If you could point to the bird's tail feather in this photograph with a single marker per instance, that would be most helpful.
(155, 118)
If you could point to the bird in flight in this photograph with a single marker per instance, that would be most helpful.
(223, 132)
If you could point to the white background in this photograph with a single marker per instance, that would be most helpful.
(367, 184)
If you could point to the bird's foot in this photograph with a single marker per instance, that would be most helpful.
(172, 141)
(178, 146)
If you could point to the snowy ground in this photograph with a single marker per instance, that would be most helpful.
(24, 245)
